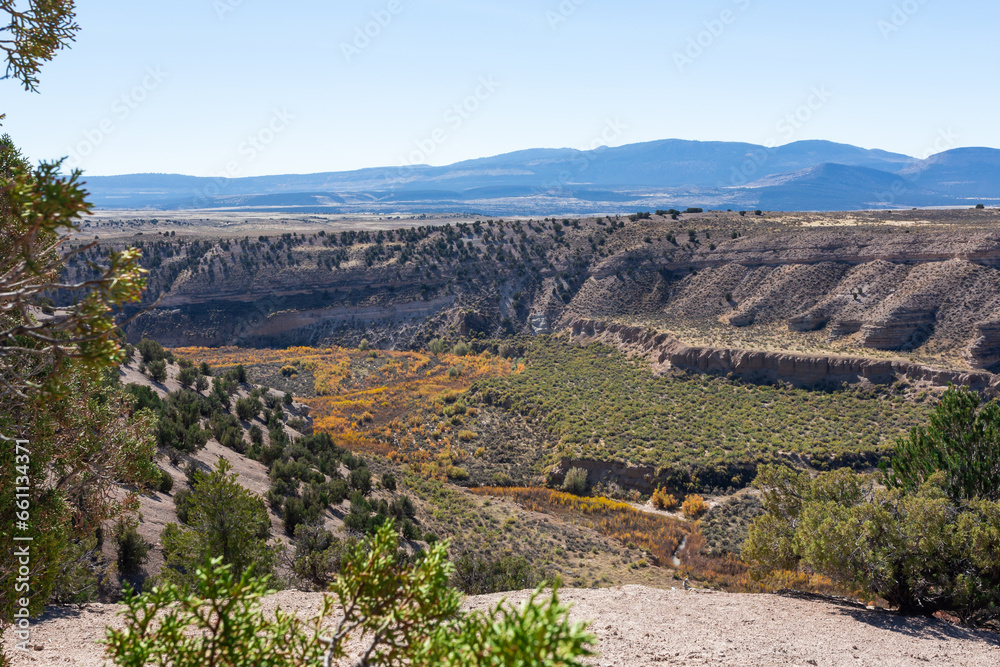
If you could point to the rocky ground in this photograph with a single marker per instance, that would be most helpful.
(639, 626)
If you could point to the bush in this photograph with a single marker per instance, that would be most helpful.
(188, 376)
(150, 350)
(133, 550)
(461, 349)
(317, 555)
(361, 480)
(694, 506)
(224, 521)
(289, 371)
(166, 483)
(157, 370)
(575, 481)
(388, 482)
(248, 408)
(663, 500)
(407, 612)
(437, 346)
(921, 551)
(476, 575)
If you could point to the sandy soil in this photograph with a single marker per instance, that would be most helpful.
(643, 626)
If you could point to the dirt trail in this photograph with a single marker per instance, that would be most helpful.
(639, 626)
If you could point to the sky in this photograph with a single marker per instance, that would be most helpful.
(254, 87)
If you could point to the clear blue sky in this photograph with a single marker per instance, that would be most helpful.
(251, 87)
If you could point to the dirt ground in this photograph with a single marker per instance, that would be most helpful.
(639, 626)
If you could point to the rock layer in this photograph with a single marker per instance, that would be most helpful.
(666, 352)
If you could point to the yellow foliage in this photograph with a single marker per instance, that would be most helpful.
(663, 500)
(694, 506)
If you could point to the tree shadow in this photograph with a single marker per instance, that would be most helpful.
(921, 627)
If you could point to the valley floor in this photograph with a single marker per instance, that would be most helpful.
(639, 626)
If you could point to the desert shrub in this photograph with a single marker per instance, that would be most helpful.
(406, 611)
(663, 500)
(694, 506)
(297, 511)
(575, 481)
(287, 398)
(467, 436)
(150, 350)
(437, 346)
(188, 376)
(133, 550)
(361, 480)
(224, 521)
(182, 505)
(317, 555)
(726, 526)
(248, 408)
(166, 482)
(364, 345)
(598, 403)
(289, 371)
(205, 369)
(659, 535)
(921, 551)
(461, 349)
(256, 435)
(457, 474)
(478, 575)
(157, 370)
(388, 481)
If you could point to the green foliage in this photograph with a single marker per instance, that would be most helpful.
(188, 376)
(921, 551)
(224, 520)
(388, 481)
(437, 346)
(318, 555)
(166, 482)
(402, 613)
(361, 480)
(700, 431)
(133, 550)
(150, 350)
(248, 408)
(461, 349)
(34, 34)
(575, 481)
(476, 575)
(157, 370)
(961, 441)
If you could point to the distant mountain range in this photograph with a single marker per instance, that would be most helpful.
(805, 175)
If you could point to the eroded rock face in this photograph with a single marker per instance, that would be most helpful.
(810, 321)
(984, 351)
(804, 370)
(904, 330)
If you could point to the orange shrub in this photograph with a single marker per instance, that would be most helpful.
(694, 506)
(663, 500)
